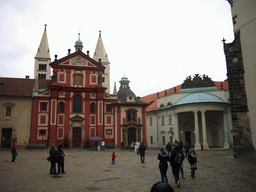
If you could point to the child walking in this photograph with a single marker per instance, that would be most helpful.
(113, 158)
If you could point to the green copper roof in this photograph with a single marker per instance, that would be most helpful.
(124, 79)
(79, 42)
(199, 98)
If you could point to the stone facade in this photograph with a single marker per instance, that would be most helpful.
(15, 120)
(240, 56)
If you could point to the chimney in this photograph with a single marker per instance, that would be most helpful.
(27, 77)
(55, 57)
(88, 53)
(69, 51)
(99, 60)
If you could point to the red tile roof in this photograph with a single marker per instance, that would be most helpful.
(19, 87)
(152, 99)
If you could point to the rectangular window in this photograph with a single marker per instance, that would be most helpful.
(103, 80)
(43, 106)
(151, 139)
(162, 120)
(109, 108)
(78, 79)
(163, 140)
(170, 119)
(171, 140)
(150, 120)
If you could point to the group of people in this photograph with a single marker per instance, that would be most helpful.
(56, 156)
(97, 146)
(175, 156)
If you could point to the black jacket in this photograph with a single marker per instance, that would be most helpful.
(174, 152)
(53, 155)
(192, 160)
(142, 148)
(163, 157)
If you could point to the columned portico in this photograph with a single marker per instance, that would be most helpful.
(197, 144)
(176, 127)
(206, 146)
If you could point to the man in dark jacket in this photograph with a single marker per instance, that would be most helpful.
(142, 150)
(176, 160)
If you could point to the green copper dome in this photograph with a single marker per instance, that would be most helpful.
(199, 98)
(79, 44)
(124, 79)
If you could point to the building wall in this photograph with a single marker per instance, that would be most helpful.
(245, 22)
(20, 120)
(182, 120)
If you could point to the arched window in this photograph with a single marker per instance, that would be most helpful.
(77, 104)
(92, 107)
(61, 107)
(8, 112)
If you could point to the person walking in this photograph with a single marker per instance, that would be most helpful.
(53, 159)
(102, 145)
(168, 147)
(142, 150)
(13, 151)
(132, 146)
(122, 146)
(202, 145)
(60, 161)
(192, 161)
(187, 148)
(113, 158)
(177, 157)
(163, 166)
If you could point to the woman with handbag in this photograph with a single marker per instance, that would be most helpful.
(192, 161)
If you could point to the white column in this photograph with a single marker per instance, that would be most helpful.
(176, 127)
(197, 144)
(206, 146)
(225, 129)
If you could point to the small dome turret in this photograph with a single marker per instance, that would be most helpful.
(79, 44)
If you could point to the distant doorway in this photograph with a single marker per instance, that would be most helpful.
(188, 137)
(131, 135)
(76, 137)
(6, 138)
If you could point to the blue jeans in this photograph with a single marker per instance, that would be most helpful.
(163, 175)
(113, 161)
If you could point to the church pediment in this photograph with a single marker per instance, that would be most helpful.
(77, 118)
(77, 59)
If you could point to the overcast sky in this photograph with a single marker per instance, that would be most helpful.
(155, 44)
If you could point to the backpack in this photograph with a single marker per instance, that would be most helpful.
(178, 158)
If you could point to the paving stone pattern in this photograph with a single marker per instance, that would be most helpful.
(92, 171)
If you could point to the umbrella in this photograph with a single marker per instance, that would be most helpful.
(95, 138)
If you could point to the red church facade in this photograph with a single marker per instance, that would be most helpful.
(75, 106)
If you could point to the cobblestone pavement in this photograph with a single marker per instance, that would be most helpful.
(92, 171)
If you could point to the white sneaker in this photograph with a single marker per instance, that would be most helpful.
(178, 184)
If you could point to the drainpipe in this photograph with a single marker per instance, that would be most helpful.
(157, 126)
